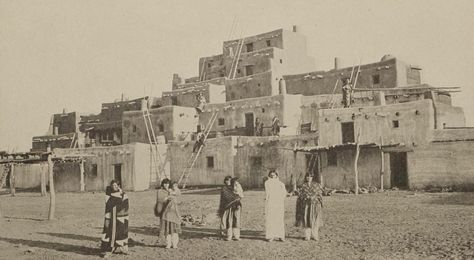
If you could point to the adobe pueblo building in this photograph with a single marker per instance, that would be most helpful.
(261, 105)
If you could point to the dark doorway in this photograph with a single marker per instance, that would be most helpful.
(347, 129)
(398, 169)
(312, 166)
(256, 171)
(118, 173)
(249, 124)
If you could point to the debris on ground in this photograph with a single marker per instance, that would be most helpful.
(187, 220)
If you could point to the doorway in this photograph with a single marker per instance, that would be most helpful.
(398, 170)
(347, 129)
(249, 121)
(256, 171)
(312, 167)
(118, 173)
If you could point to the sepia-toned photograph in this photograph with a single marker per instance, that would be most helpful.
(285, 129)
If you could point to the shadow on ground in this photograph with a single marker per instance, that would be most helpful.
(81, 250)
(197, 233)
(465, 199)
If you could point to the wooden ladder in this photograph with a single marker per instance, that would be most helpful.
(193, 158)
(156, 160)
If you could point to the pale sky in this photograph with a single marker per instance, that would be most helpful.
(57, 54)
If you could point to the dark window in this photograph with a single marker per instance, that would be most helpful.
(269, 43)
(281, 61)
(347, 129)
(209, 65)
(198, 128)
(258, 84)
(238, 71)
(210, 161)
(395, 123)
(94, 170)
(221, 121)
(249, 47)
(248, 70)
(161, 127)
(221, 75)
(232, 95)
(332, 158)
(118, 173)
(174, 101)
(134, 128)
(376, 79)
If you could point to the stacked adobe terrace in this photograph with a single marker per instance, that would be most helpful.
(270, 75)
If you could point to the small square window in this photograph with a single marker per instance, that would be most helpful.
(238, 71)
(269, 43)
(281, 61)
(209, 65)
(221, 121)
(210, 161)
(376, 79)
(161, 128)
(249, 47)
(134, 128)
(332, 158)
(395, 124)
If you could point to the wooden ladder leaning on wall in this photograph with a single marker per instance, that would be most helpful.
(192, 159)
(156, 160)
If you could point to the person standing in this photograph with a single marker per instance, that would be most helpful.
(199, 141)
(309, 208)
(347, 93)
(258, 127)
(229, 209)
(115, 231)
(167, 210)
(275, 193)
(275, 126)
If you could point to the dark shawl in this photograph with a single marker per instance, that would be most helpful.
(228, 200)
(309, 196)
(115, 231)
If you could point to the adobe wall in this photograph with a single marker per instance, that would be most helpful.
(415, 120)
(233, 155)
(186, 97)
(258, 85)
(275, 153)
(175, 121)
(442, 164)
(449, 116)
(105, 158)
(67, 176)
(341, 176)
(265, 108)
(323, 82)
(41, 143)
(222, 150)
(65, 122)
(28, 176)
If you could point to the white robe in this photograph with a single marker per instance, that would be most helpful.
(275, 209)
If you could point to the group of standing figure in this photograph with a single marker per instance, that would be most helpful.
(308, 212)
(275, 128)
(308, 215)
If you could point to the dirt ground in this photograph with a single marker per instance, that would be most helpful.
(389, 225)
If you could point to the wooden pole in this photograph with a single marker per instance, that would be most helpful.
(320, 169)
(81, 169)
(382, 163)
(356, 160)
(52, 197)
(12, 179)
(43, 183)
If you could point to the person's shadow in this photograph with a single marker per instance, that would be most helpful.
(81, 250)
(190, 232)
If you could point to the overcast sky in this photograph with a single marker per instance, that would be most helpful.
(57, 54)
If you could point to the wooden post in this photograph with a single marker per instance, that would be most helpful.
(320, 169)
(356, 160)
(52, 195)
(382, 163)
(43, 183)
(81, 167)
(12, 179)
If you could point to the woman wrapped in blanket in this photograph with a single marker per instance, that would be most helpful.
(230, 208)
(309, 208)
(167, 209)
(115, 232)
